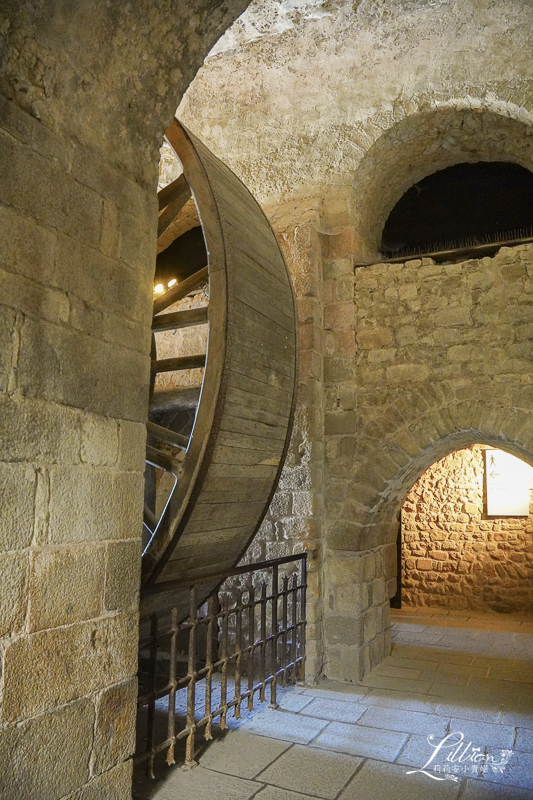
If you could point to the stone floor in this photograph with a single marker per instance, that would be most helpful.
(451, 674)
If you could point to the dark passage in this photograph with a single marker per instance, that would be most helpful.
(463, 205)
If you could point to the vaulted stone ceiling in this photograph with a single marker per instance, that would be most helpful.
(297, 93)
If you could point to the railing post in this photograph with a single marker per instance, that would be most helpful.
(263, 641)
(303, 617)
(274, 638)
(191, 674)
(171, 727)
(251, 648)
(238, 651)
(211, 613)
(224, 670)
(152, 681)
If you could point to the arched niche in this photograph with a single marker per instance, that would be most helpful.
(419, 145)
(460, 546)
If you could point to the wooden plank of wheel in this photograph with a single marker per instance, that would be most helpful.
(244, 418)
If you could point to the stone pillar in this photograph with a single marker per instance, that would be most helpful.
(357, 612)
(77, 254)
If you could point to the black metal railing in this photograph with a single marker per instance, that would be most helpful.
(241, 643)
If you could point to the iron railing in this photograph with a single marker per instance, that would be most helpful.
(250, 641)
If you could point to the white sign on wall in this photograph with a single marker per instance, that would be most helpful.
(508, 484)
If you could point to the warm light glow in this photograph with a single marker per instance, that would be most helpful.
(159, 288)
(172, 283)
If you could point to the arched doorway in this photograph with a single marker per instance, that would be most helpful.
(466, 535)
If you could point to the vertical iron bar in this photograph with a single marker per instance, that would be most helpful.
(152, 680)
(284, 650)
(209, 664)
(303, 618)
(171, 728)
(238, 651)
(251, 643)
(191, 674)
(224, 670)
(294, 624)
(263, 641)
(274, 639)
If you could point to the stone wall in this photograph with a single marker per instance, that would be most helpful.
(87, 95)
(453, 554)
(337, 106)
(324, 97)
(442, 359)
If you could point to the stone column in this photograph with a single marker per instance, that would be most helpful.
(77, 248)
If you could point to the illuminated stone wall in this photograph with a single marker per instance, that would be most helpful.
(453, 554)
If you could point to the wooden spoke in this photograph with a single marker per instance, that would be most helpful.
(149, 518)
(179, 399)
(181, 290)
(160, 459)
(180, 319)
(180, 363)
(166, 435)
(174, 191)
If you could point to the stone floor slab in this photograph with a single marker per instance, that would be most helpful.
(294, 702)
(483, 734)
(467, 711)
(482, 790)
(226, 754)
(404, 721)
(398, 684)
(350, 693)
(392, 671)
(379, 781)
(419, 751)
(334, 710)
(518, 772)
(520, 719)
(199, 782)
(402, 700)
(524, 740)
(284, 725)
(320, 773)
(277, 793)
(361, 741)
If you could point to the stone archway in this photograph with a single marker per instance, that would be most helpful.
(360, 556)
(422, 143)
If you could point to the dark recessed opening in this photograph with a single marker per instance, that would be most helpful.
(462, 206)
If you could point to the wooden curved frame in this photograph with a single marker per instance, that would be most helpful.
(244, 419)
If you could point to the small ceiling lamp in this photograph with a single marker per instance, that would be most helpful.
(159, 289)
(172, 283)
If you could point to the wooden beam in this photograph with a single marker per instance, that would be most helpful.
(181, 290)
(175, 399)
(166, 435)
(173, 191)
(179, 363)
(149, 517)
(160, 459)
(180, 319)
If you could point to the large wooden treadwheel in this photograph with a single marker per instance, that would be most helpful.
(224, 472)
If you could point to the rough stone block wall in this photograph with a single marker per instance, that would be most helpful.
(89, 94)
(74, 330)
(453, 554)
(441, 358)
